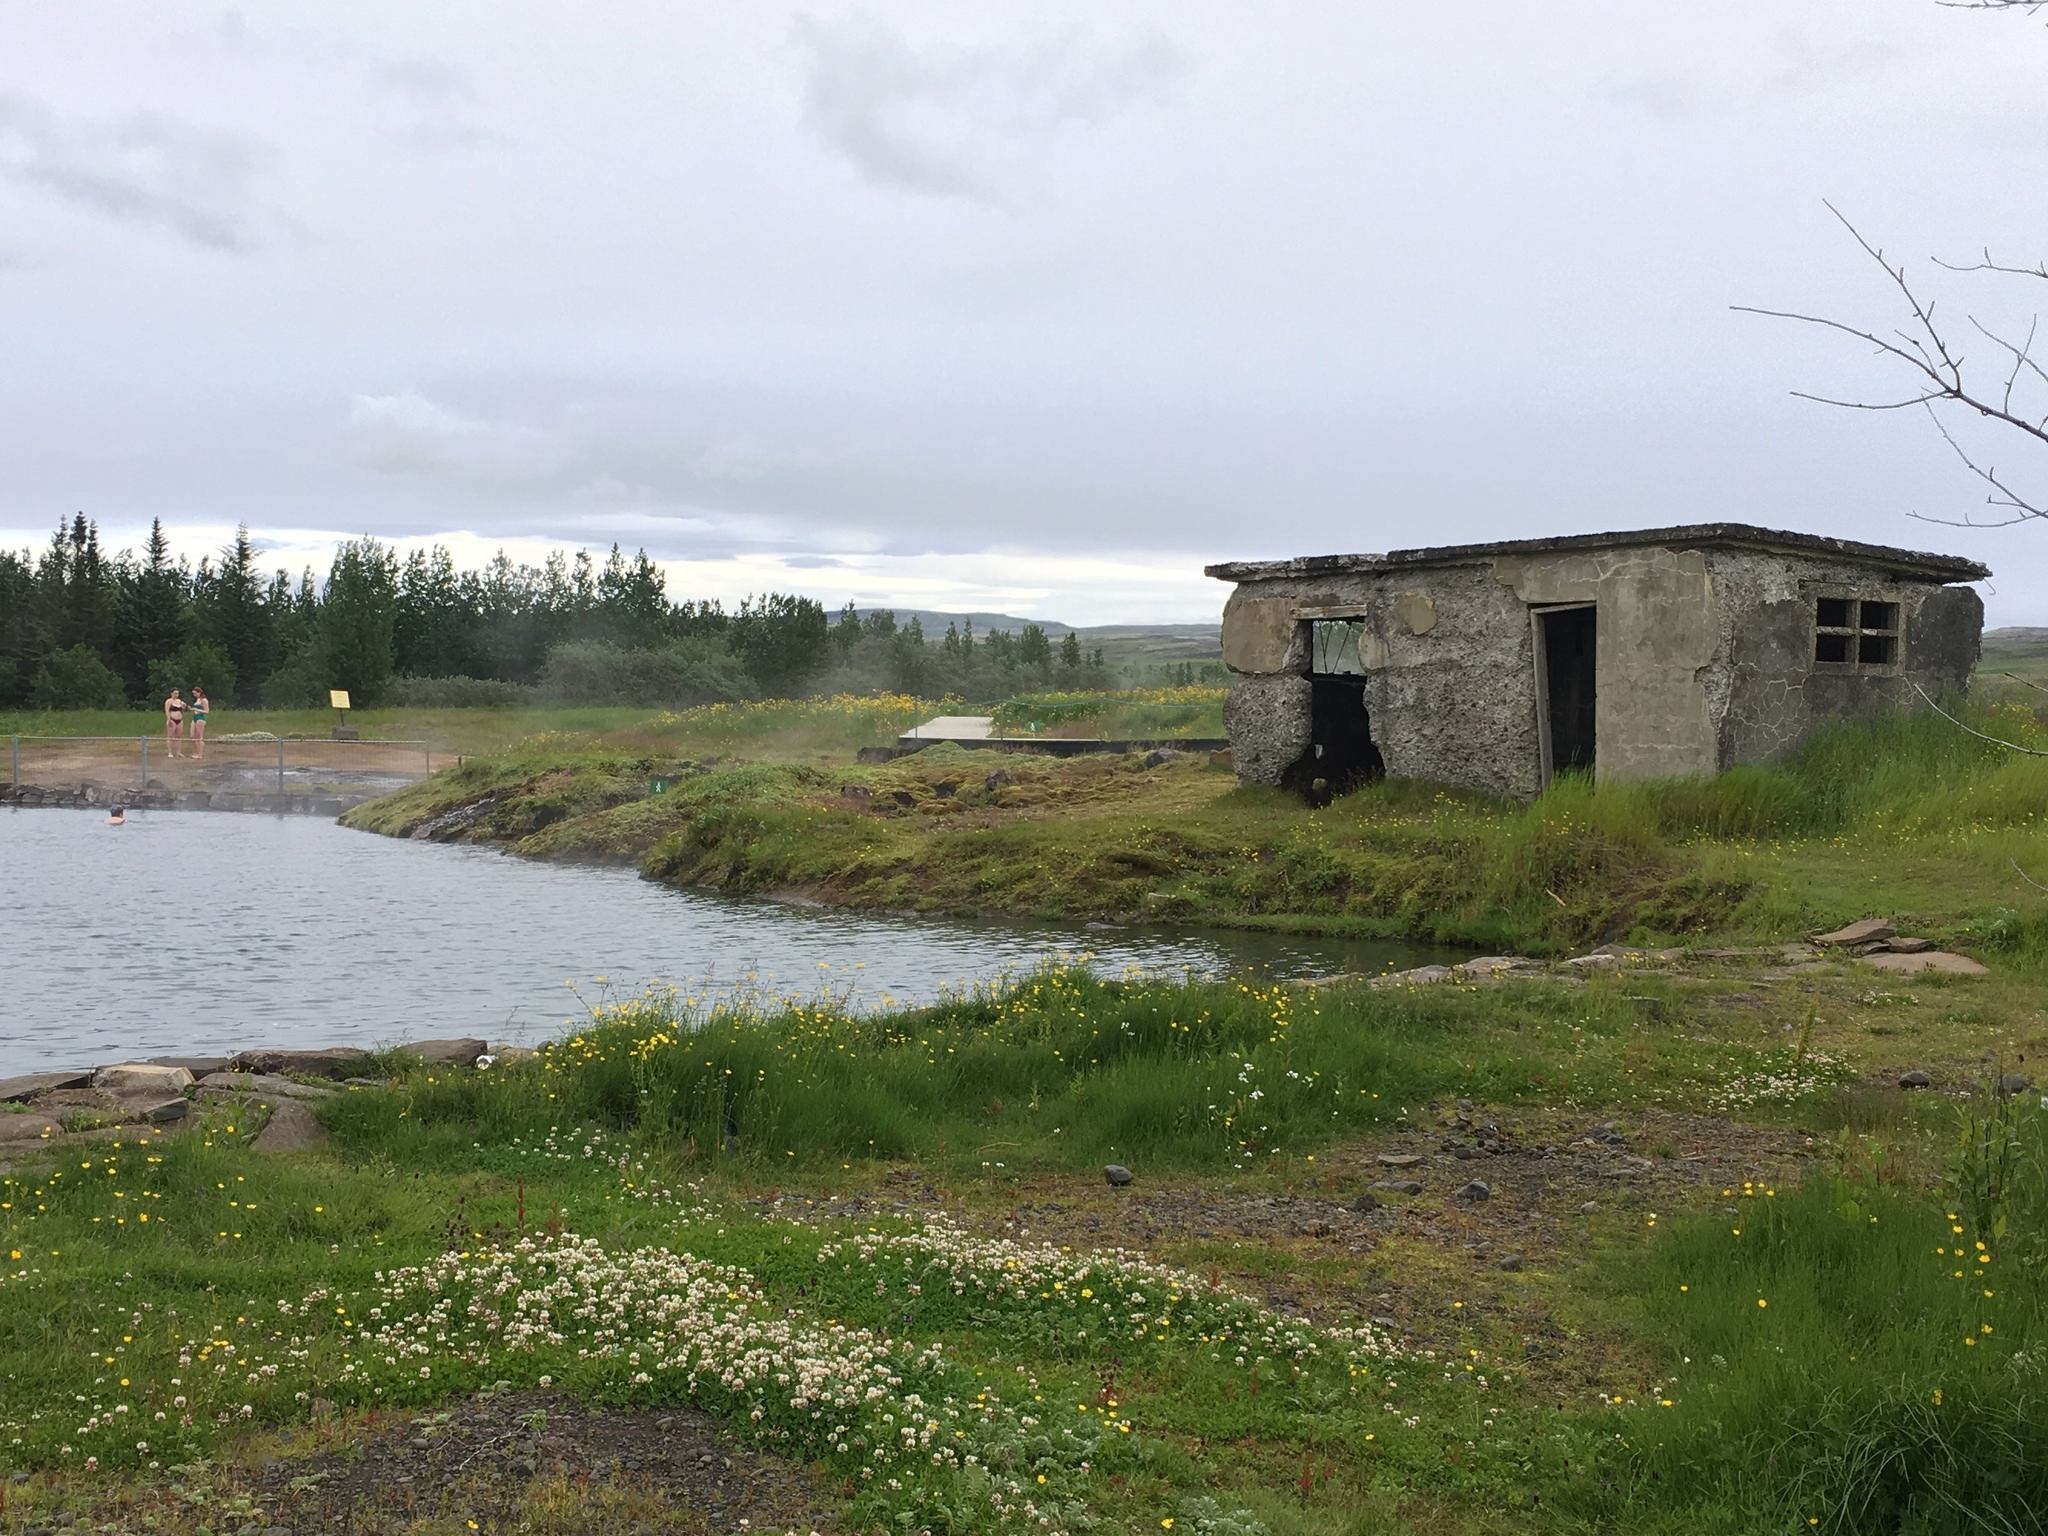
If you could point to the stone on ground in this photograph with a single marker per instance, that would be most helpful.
(15, 1090)
(1400, 1186)
(1476, 1191)
(450, 1053)
(18, 1128)
(198, 1066)
(1118, 1175)
(259, 1082)
(1399, 1159)
(139, 1077)
(2011, 1083)
(1932, 960)
(334, 1061)
(1915, 1079)
(160, 1111)
(291, 1126)
(1869, 930)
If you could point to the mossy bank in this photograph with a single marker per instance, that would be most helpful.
(1910, 816)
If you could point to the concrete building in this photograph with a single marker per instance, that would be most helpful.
(1636, 655)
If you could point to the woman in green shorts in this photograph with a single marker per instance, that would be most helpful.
(199, 707)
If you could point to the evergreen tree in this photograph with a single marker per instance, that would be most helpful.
(151, 620)
(1033, 648)
(1070, 651)
(358, 613)
(232, 615)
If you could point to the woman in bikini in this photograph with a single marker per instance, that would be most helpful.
(199, 708)
(174, 721)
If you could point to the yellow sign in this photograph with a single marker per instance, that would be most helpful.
(338, 697)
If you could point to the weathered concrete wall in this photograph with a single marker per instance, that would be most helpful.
(1778, 695)
(1450, 683)
(1657, 638)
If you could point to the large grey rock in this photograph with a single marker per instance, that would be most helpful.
(335, 1061)
(160, 1111)
(290, 1128)
(31, 1127)
(452, 1053)
(198, 1066)
(1118, 1175)
(1915, 1079)
(141, 1078)
(2012, 1083)
(17, 1090)
(1901, 945)
(1476, 1191)
(1870, 930)
(260, 1083)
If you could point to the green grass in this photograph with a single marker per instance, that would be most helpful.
(1140, 1393)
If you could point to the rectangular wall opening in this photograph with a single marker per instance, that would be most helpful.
(1341, 754)
(1567, 687)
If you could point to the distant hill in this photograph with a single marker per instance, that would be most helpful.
(1118, 642)
(2022, 652)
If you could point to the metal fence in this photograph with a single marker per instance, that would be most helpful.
(234, 763)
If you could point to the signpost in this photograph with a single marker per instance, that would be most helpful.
(343, 731)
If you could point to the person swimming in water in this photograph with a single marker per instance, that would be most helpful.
(116, 819)
(198, 726)
(174, 721)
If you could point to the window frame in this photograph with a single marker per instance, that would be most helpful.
(1858, 630)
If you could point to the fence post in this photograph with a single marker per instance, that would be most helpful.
(14, 768)
(280, 765)
(145, 762)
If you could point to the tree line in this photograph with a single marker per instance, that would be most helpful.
(82, 629)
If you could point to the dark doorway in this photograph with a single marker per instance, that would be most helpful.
(1565, 673)
(1341, 754)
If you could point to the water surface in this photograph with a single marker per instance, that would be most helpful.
(197, 932)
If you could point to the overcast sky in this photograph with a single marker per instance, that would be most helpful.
(1031, 307)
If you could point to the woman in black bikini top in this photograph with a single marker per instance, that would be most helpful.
(174, 721)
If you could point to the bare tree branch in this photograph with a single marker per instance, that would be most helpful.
(2024, 682)
(1996, 741)
(2037, 885)
(1937, 365)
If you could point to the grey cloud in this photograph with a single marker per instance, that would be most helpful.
(1799, 67)
(813, 563)
(408, 434)
(951, 123)
(147, 168)
(427, 103)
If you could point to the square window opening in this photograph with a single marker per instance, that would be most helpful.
(1877, 650)
(1830, 647)
(1883, 616)
(1833, 613)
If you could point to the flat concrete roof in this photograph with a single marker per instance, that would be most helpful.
(1902, 564)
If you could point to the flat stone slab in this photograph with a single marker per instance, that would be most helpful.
(20, 1128)
(16, 1090)
(291, 1127)
(453, 1053)
(1399, 1160)
(1931, 960)
(198, 1066)
(1870, 930)
(139, 1077)
(335, 1061)
(262, 1083)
